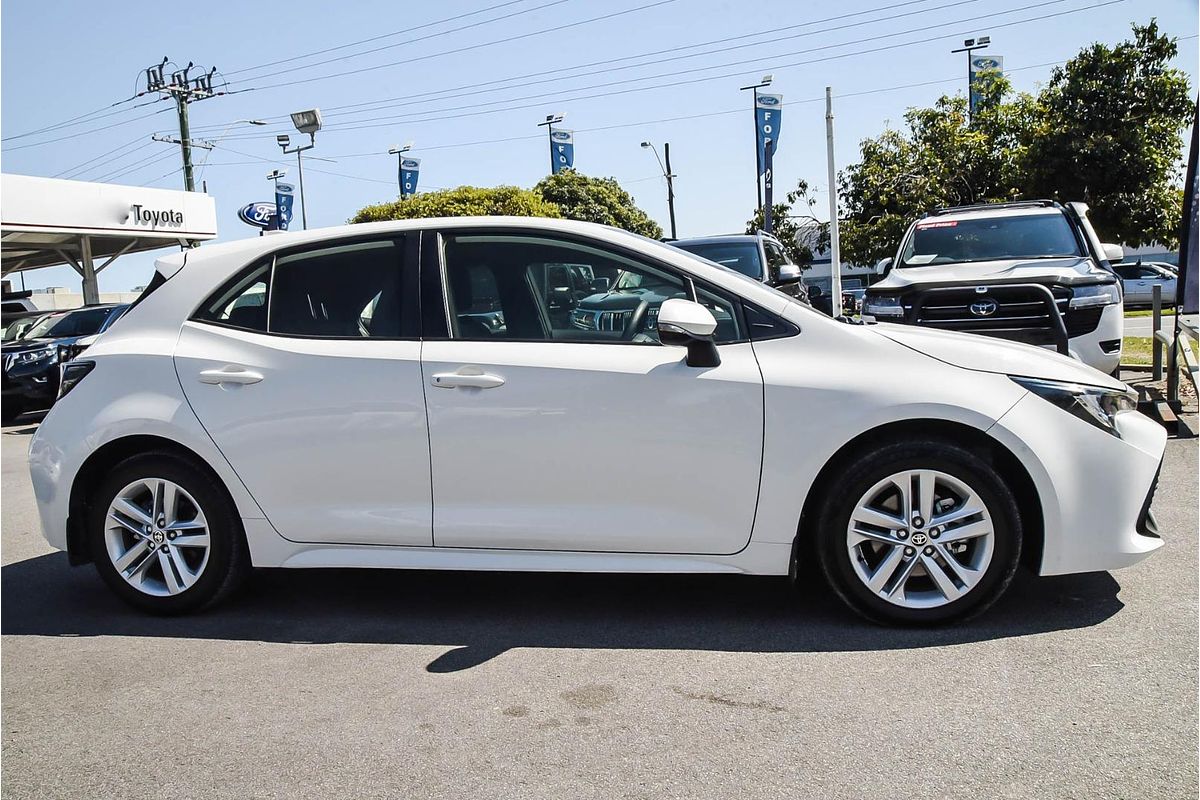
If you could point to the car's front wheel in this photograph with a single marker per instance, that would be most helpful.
(920, 533)
(165, 536)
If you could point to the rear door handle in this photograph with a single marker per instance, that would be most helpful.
(455, 380)
(235, 375)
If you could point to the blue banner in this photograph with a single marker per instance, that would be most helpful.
(768, 114)
(562, 149)
(410, 170)
(283, 206)
(979, 66)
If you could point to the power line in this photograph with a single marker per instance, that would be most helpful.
(87, 132)
(145, 162)
(466, 48)
(399, 44)
(541, 75)
(74, 120)
(440, 115)
(141, 140)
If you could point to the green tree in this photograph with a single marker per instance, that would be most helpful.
(796, 227)
(464, 201)
(1109, 134)
(601, 200)
(1106, 130)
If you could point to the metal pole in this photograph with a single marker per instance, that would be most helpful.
(91, 287)
(1157, 360)
(670, 187)
(185, 141)
(835, 250)
(758, 167)
(970, 95)
(300, 170)
(769, 187)
(550, 140)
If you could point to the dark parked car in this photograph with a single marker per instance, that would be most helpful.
(756, 255)
(31, 363)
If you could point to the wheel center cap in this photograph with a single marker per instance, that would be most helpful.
(158, 537)
(919, 539)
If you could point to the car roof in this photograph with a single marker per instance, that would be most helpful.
(723, 238)
(989, 213)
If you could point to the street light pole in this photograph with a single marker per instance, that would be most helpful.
(550, 121)
(399, 153)
(666, 171)
(970, 46)
(758, 167)
(306, 122)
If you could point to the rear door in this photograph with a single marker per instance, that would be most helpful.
(305, 370)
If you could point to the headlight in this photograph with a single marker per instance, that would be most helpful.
(1103, 294)
(1093, 404)
(879, 306)
(30, 356)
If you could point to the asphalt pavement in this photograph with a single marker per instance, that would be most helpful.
(365, 684)
(1144, 326)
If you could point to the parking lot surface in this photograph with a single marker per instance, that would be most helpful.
(392, 684)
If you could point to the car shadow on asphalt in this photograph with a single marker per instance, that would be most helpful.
(482, 615)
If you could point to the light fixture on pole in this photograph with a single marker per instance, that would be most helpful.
(551, 121)
(765, 82)
(970, 46)
(306, 122)
(666, 171)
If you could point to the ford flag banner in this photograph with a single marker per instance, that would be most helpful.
(410, 170)
(768, 111)
(981, 65)
(562, 149)
(283, 206)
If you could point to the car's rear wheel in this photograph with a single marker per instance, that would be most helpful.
(165, 536)
(920, 533)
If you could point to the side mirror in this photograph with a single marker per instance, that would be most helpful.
(1113, 253)
(789, 273)
(687, 324)
(883, 266)
(600, 285)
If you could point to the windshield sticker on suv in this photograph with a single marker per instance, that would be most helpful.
(923, 258)
(944, 224)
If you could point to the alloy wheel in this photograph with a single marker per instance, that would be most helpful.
(157, 537)
(920, 538)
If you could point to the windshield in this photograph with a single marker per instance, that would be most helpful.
(83, 322)
(738, 256)
(935, 241)
(631, 281)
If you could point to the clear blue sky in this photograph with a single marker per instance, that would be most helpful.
(64, 59)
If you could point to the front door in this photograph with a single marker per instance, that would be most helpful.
(585, 434)
(304, 373)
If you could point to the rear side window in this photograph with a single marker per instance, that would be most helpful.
(343, 291)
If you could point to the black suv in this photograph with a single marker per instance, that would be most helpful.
(31, 362)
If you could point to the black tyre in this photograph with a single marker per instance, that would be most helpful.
(165, 535)
(919, 533)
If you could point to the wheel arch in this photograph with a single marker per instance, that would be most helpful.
(103, 459)
(994, 452)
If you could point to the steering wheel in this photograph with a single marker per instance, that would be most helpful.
(636, 321)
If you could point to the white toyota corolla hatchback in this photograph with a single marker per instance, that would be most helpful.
(427, 394)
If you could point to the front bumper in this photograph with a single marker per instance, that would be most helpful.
(34, 386)
(1094, 488)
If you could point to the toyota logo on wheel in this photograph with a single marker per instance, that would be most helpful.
(984, 308)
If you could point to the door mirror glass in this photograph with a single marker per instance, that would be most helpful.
(883, 266)
(1114, 253)
(789, 273)
(688, 324)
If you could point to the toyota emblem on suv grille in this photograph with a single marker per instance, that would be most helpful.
(984, 308)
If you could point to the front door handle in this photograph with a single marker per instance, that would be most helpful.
(235, 375)
(457, 380)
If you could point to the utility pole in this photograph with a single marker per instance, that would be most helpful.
(184, 90)
(758, 165)
(835, 250)
(970, 46)
(670, 176)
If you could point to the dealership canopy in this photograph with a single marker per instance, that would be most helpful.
(45, 222)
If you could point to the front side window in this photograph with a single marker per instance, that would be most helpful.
(530, 288)
(941, 241)
(84, 322)
(342, 291)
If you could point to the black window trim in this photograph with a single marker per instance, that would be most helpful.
(406, 241)
(735, 301)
